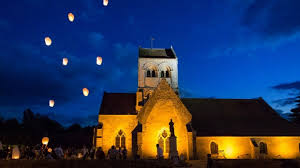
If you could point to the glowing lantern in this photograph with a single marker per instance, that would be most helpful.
(99, 60)
(15, 153)
(105, 2)
(48, 41)
(49, 150)
(85, 91)
(65, 61)
(71, 17)
(45, 140)
(51, 103)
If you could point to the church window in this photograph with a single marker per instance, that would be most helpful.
(163, 141)
(120, 140)
(162, 74)
(148, 73)
(153, 73)
(167, 74)
(263, 148)
(214, 149)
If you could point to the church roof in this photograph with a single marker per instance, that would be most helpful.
(237, 117)
(118, 104)
(157, 53)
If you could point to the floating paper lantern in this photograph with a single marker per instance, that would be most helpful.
(15, 153)
(99, 60)
(105, 2)
(48, 41)
(65, 61)
(85, 91)
(49, 150)
(51, 103)
(71, 17)
(45, 140)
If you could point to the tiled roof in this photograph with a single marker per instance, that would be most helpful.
(156, 53)
(237, 117)
(118, 104)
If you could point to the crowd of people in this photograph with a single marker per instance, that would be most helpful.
(40, 152)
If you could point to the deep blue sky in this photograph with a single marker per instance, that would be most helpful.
(225, 48)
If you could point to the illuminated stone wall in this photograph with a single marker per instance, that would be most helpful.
(159, 64)
(157, 122)
(112, 124)
(242, 148)
(162, 106)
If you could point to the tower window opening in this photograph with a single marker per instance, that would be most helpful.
(148, 73)
(153, 73)
(167, 74)
(162, 74)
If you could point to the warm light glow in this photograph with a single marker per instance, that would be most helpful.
(15, 153)
(65, 61)
(51, 103)
(79, 155)
(71, 17)
(48, 41)
(85, 91)
(105, 2)
(45, 140)
(99, 60)
(49, 150)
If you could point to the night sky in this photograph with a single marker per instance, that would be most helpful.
(225, 49)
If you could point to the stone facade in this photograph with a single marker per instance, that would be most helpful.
(140, 120)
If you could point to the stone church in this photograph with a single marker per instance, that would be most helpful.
(224, 128)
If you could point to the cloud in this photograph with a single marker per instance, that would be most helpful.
(288, 86)
(28, 82)
(284, 102)
(273, 19)
(293, 89)
(259, 25)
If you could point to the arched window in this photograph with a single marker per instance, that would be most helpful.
(120, 139)
(162, 74)
(153, 73)
(214, 149)
(163, 141)
(263, 148)
(167, 74)
(148, 73)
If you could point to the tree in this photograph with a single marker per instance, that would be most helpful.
(295, 116)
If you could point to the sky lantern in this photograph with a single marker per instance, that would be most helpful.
(85, 91)
(15, 153)
(65, 61)
(71, 17)
(48, 41)
(49, 150)
(51, 103)
(105, 2)
(99, 60)
(45, 140)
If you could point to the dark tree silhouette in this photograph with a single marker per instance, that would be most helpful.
(295, 116)
(35, 126)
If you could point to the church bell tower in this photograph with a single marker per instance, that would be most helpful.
(155, 64)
